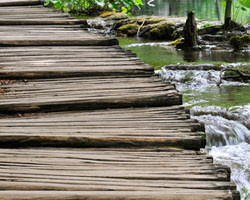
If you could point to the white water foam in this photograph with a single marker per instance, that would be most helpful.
(194, 79)
(146, 44)
(237, 158)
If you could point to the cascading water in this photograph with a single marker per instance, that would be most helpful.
(226, 118)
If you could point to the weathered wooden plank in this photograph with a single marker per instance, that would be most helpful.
(54, 103)
(63, 48)
(41, 22)
(76, 72)
(122, 60)
(128, 173)
(8, 14)
(142, 195)
(98, 185)
(42, 28)
(20, 2)
(77, 62)
(129, 127)
(90, 53)
(59, 42)
(86, 93)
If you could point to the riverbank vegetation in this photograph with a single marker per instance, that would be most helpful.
(92, 7)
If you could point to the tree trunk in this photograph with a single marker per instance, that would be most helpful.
(228, 14)
(190, 31)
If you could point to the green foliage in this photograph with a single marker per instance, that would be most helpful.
(203, 135)
(245, 3)
(87, 6)
(206, 25)
(245, 193)
(237, 6)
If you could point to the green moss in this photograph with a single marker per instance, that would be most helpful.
(231, 73)
(176, 42)
(235, 41)
(129, 29)
(163, 30)
(118, 16)
(209, 30)
(238, 41)
(82, 16)
(146, 20)
(244, 69)
(245, 39)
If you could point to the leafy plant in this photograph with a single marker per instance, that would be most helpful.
(237, 6)
(245, 193)
(87, 6)
(206, 25)
(203, 135)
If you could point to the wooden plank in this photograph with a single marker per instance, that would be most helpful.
(58, 42)
(41, 22)
(46, 62)
(20, 2)
(144, 195)
(64, 96)
(113, 174)
(104, 128)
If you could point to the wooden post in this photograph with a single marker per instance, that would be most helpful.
(190, 31)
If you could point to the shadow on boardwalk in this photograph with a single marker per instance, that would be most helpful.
(82, 118)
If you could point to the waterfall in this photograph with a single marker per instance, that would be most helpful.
(225, 116)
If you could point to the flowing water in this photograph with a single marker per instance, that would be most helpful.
(224, 110)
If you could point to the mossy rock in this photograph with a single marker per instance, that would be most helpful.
(209, 30)
(244, 69)
(118, 17)
(176, 42)
(161, 31)
(147, 20)
(107, 14)
(239, 42)
(245, 39)
(128, 29)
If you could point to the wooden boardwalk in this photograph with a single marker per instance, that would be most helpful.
(82, 118)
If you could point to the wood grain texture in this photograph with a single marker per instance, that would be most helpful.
(84, 94)
(134, 127)
(20, 2)
(111, 174)
(54, 62)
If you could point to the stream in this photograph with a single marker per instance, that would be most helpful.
(224, 110)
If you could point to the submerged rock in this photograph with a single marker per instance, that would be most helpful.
(206, 67)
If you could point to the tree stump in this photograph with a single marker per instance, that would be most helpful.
(190, 31)
(227, 24)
